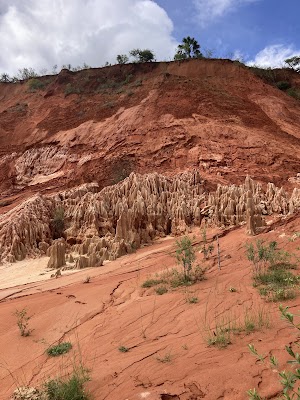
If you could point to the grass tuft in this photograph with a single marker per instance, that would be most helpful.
(59, 349)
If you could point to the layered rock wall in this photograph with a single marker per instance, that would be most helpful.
(106, 224)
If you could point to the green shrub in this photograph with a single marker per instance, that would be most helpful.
(294, 93)
(35, 84)
(71, 90)
(161, 290)
(123, 349)
(192, 300)
(70, 388)
(283, 85)
(152, 282)
(185, 255)
(61, 348)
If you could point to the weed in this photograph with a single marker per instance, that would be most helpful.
(288, 379)
(59, 349)
(283, 85)
(161, 290)
(166, 358)
(71, 90)
(35, 84)
(23, 322)
(123, 349)
(270, 271)
(192, 300)
(70, 388)
(206, 249)
(293, 92)
(87, 279)
(282, 295)
(185, 255)
(220, 337)
(152, 282)
(249, 323)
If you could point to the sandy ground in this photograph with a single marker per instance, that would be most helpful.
(169, 356)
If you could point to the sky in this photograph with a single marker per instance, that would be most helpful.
(44, 33)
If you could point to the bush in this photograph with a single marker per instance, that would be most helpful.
(294, 93)
(71, 388)
(283, 85)
(35, 84)
(270, 271)
(152, 282)
(71, 90)
(161, 290)
(185, 255)
(59, 349)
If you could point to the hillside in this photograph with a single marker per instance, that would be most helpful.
(101, 124)
(102, 172)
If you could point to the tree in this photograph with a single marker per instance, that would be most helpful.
(122, 59)
(26, 73)
(189, 48)
(142, 56)
(294, 63)
(4, 78)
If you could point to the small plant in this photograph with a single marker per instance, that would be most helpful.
(270, 271)
(71, 90)
(220, 337)
(161, 290)
(69, 388)
(35, 84)
(283, 85)
(87, 279)
(59, 349)
(294, 93)
(166, 358)
(185, 255)
(123, 349)
(192, 300)
(206, 249)
(23, 322)
(152, 282)
(288, 379)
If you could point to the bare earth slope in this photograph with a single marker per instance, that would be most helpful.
(113, 310)
(101, 124)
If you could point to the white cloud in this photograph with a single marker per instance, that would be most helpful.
(41, 33)
(210, 10)
(273, 56)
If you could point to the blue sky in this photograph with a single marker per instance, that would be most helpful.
(44, 33)
(238, 26)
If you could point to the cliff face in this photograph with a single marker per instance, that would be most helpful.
(101, 124)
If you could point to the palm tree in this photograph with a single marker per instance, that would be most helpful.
(189, 48)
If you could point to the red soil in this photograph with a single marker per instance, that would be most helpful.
(113, 310)
(214, 115)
